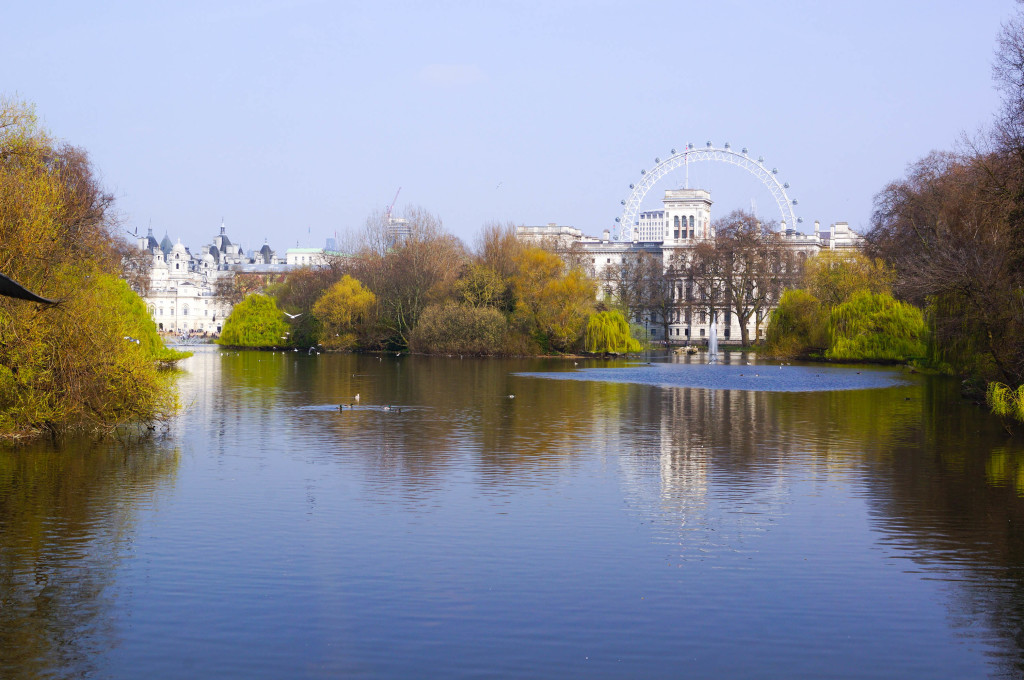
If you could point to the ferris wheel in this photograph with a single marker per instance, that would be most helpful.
(626, 224)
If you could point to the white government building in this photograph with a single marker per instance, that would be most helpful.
(684, 222)
(182, 295)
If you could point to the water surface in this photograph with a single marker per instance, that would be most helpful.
(507, 524)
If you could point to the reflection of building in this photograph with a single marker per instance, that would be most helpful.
(671, 234)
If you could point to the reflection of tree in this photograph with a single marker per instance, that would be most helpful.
(64, 519)
(947, 493)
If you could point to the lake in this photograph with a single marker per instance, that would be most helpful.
(533, 518)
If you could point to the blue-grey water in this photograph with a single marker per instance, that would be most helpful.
(522, 518)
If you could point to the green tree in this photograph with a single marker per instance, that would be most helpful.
(874, 326)
(799, 325)
(255, 322)
(344, 313)
(608, 333)
(833, 277)
(93, 361)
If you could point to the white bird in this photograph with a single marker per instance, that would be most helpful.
(357, 396)
(511, 396)
(293, 316)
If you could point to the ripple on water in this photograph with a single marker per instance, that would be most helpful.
(756, 378)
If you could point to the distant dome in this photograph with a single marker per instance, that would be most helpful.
(165, 244)
(178, 247)
(214, 253)
(266, 253)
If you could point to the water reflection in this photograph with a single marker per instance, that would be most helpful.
(66, 519)
(510, 524)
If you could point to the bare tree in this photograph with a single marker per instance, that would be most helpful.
(407, 273)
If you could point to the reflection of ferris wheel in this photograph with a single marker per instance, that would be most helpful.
(627, 222)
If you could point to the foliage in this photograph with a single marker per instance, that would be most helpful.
(833, 277)
(255, 322)
(874, 326)
(344, 313)
(797, 326)
(297, 294)
(1005, 401)
(482, 286)
(76, 365)
(407, 273)
(553, 303)
(608, 333)
(452, 328)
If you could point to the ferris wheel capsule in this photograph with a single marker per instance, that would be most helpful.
(630, 186)
(760, 159)
(657, 160)
(785, 185)
(727, 145)
(709, 143)
(799, 220)
(775, 171)
(617, 219)
(673, 152)
(744, 151)
(623, 201)
(643, 172)
(795, 202)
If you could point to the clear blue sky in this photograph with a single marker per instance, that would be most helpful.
(294, 120)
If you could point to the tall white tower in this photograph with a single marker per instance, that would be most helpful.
(687, 216)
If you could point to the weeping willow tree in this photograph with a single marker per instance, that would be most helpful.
(876, 327)
(608, 333)
(797, 326)
(255, 322)
(1005, 401)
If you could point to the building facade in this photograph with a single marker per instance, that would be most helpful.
(670, 235)
(182, 296)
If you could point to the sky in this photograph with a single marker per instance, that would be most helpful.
(293, 120)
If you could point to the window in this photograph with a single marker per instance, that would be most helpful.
(184, 310)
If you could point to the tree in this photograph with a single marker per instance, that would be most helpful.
(553, 302)
(92, 361)
(875, 327)
(408, 273)
(747, 259)
(608, 333)
(834, 277)
(946, 231)
(799, 325)
(255, 322)
(344, 313)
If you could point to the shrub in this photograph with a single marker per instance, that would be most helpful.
(460, 329)
(255, 322)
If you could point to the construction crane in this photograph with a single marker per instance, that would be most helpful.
(387, 213)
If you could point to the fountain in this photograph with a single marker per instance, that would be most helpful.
(713, 340)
